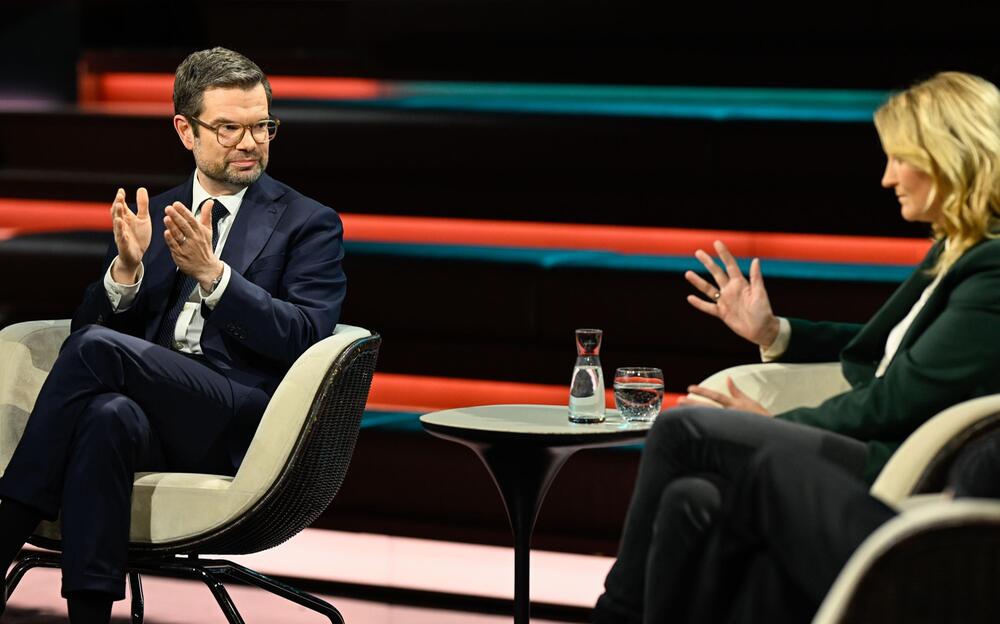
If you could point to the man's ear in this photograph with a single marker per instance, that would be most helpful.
(184, 130)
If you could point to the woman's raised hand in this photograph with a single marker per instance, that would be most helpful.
(742, 305)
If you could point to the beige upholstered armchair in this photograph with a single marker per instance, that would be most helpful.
(939, 560)
(292, 470)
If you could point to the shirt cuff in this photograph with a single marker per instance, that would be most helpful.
(212, 299)
(121, 296)
(777, 348)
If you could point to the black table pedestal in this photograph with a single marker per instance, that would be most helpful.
(523, 448)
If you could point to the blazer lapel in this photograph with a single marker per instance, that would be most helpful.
(254, 224)
(158, 265)
(869, 345)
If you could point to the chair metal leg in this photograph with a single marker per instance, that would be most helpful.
(138, 606)
(25, 563)
(207, 571)
(191, 567)
(221, 596)
(281, 589)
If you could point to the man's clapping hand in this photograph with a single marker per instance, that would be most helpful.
(189, 240)
(132, 235)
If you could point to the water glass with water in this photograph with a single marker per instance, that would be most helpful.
(638, 393)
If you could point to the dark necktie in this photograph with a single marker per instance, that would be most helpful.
(184, 284)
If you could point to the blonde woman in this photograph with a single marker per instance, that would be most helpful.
(934, 343)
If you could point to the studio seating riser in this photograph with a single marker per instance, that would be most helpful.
(737, 175)
(501, 315)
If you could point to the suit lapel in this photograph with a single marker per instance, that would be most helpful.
(869, 344)
(158, 265)
(254, 224)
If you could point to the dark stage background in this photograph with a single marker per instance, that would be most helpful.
(486, 315)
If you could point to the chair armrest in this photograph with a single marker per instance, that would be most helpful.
(27, 352)
(781, 387)
(943, 553)
(920, 464)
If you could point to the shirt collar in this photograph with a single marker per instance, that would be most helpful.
(232, 203)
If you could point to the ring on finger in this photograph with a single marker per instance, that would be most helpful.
(716, 295)
(184, 240)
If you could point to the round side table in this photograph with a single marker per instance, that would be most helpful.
(523, 447)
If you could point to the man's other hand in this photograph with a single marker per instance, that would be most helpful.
(132, 235)
(189, 240)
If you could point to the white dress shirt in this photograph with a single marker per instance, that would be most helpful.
(187, 332)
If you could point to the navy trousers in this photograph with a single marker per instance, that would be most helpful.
(111, 406)
(691, 457)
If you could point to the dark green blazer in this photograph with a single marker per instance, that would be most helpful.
(949, 354)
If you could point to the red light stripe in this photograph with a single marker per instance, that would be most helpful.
(134, 87)
(33, 215)
(635, 240)
(418, 393)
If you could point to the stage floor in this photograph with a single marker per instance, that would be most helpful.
(441, 574)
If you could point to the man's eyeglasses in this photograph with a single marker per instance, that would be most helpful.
(230, 134)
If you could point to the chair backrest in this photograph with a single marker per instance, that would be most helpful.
(934, 563)
(27, 352)
(300, 453)
(921, 464)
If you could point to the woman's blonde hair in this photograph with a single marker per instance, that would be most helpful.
(949, 127)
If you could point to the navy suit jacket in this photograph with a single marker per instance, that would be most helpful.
(285, 292)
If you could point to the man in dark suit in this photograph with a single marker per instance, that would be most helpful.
(211, 291)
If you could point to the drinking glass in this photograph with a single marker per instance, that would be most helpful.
(638, 393)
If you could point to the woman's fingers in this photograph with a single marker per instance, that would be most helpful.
(732, 268)
(733, 389)
(720, 398)
(708, 262)
(756, 275)
(701, 284)
(685, 400)
(703, 306)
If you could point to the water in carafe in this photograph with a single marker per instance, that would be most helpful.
(586, 392)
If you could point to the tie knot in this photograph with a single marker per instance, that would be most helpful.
(218, 210)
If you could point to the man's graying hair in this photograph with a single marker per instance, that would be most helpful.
(212, 69)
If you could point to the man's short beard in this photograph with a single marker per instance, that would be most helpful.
(220, 172)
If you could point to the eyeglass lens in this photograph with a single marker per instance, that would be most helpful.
(232, 134)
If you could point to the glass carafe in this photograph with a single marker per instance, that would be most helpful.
(586, 391)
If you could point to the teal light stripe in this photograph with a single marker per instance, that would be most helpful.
(633, 92)
(377, 419)
(713, 103)
(608, 260)
(713, 112)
